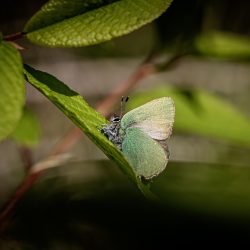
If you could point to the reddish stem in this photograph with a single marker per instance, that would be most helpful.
(26, 156)
(13, 37)
(67, 141)
(106, 104)
(21, 190)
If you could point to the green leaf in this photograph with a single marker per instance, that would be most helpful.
(74, 23)
(201, 113)
(85, 117)
(55, 11)
(224, 45)
(28, 130)
(12, 88)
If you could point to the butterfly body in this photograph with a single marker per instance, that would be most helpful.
(141, 134)
(112, 131)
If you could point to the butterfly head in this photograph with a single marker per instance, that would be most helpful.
(112, 130)
(115, 119)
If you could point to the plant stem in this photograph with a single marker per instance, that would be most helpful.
(26, 156)
(20, 192)
(67, 141)
(107, 103)
(145, 69)
(13, 37)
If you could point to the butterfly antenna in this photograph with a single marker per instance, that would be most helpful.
(123, 101)
(122, 107)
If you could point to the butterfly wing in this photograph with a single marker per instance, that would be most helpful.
(155, 118)
(146, 156)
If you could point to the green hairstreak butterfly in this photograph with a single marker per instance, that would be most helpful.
(141, 135)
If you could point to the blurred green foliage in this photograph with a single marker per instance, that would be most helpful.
(201, 113)
(28, 131)
(224, 45)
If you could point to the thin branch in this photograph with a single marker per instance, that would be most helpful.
(34, 173)
(67, 141)
(17, 46)
(26, 157)
(109, 101)
(146, 69)
(20, 192)
(13, 37)
(169, 64)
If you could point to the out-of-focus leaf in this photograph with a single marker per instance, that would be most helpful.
(12, 89)
(28, 130)
(224, 45)
(85, 117)
(209, 188)
(196, 187)
(201, 113)
(74, 23)
(199, 203)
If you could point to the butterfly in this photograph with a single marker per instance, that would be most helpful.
(141, 135)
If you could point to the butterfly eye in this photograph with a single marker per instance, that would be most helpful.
(115, 119)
